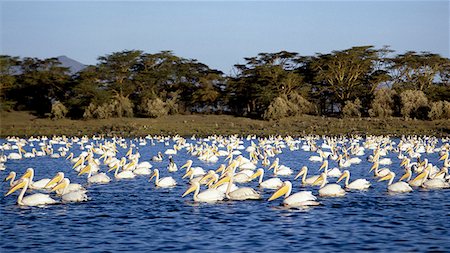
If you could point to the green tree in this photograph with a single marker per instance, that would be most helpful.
(9, 67)
(40, 83)
(346, 75)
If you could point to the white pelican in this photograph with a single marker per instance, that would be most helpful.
(306, 181)
(335, 172)
(299, 199)
(58, 178)
(163, 182)
(171, 151)
(209, 195)
(69, 196)
(398, 187)
(16, 156)
(124, 174)
(158, 157)
(100, 178)
(143, 168)
(280, 170)
(358, 184)
(434, 183)
(379, 172)
(328, 190)
(242, 193)
(223, 187)
(172, 165)
(38, 184)
(271, 183)
(37, 199)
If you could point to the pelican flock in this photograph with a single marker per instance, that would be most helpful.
(225, 168)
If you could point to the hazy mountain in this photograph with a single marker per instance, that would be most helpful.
(73, 65)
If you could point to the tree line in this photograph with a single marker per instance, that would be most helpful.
(357, 82)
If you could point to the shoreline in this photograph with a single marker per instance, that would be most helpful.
(23, 124)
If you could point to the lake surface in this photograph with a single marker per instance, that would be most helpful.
(133, 215)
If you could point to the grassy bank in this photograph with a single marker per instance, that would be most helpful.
(25, 124)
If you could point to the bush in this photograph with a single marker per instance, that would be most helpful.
(94, 111)
(414, 104)
(58, 111)
(117, 107)
(299, 105)
(288, 105)
(440, 110)
(278, 108)
(154, 108)
(352, 109)
(121, 107)
(383, 103)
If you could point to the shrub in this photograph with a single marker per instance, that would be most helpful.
(288, 105)
(94, 111)
(383, 103)
(121, 107)
(278, 108)
(58, 111)
(154, 108)
(352, 109)
(440, 110)
(299, 105)
(414, 104)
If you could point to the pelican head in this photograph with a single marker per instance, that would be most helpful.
(188, 174)
(258, 173)
(11, 175)
(56, 179)
(221, 168)
(285, 190)
(155, 174)
(320, 179)
(303, 171)
(79, 162)
(407, 174)
(85, 170)
(29, 173)
(65, 182)
(374, 166)
(324, 165)
(422, 175)
(22, 183)
(387, 177)
(345, 174)
(221, 181)
(188, 164)
(193, 187)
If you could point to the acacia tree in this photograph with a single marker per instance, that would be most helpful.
(345, 75)
(9, 66)
(40, 83)
(88, 89)
(261, 79)
(117, 71)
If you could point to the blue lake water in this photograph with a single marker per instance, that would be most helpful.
(133, 215)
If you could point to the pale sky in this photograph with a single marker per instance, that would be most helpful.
(219, 34)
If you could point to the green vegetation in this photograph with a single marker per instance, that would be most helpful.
(358, 82)
(25, 124)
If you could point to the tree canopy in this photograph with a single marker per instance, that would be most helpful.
(134, 83)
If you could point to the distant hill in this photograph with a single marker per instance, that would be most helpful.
(72, 64)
